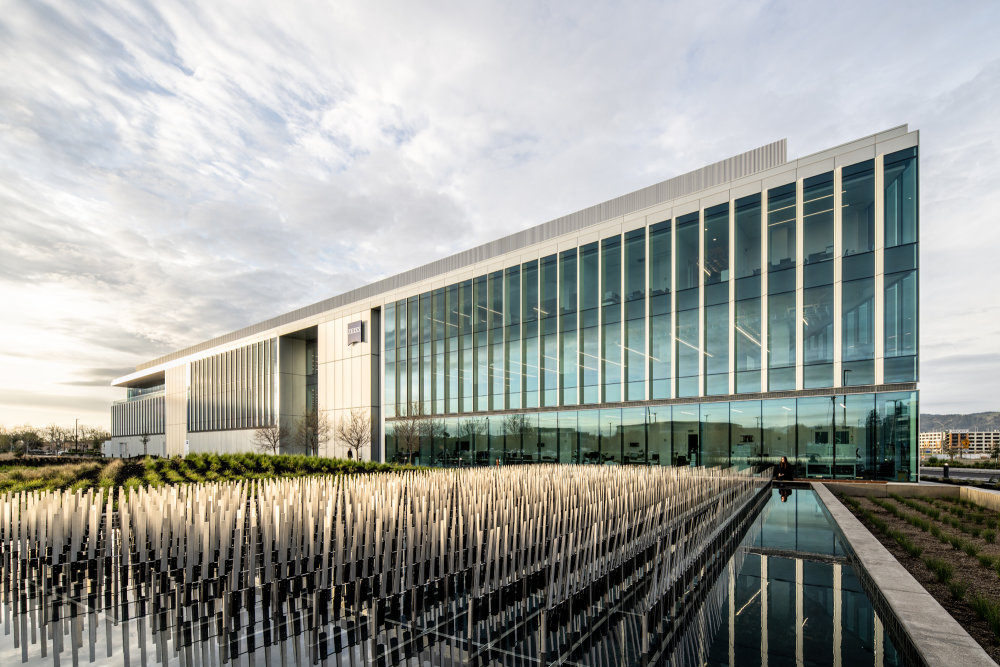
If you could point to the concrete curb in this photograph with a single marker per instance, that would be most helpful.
(933, 633)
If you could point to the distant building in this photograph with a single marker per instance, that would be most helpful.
(756, 308)
(964, 442)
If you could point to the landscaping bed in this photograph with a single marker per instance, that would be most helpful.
(951, 547)
(113, 473)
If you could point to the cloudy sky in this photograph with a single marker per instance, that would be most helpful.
(171, 171)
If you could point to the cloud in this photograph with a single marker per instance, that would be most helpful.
(170, 172)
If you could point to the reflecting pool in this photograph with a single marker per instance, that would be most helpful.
(797, 599)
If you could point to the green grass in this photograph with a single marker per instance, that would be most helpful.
(942, 569)
(105, 475)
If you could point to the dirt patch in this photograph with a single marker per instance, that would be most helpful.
(968, 570)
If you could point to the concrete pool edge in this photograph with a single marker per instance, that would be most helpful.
(937, 637)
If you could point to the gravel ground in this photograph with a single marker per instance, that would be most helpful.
(978, 578)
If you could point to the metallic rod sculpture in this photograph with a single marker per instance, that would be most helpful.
(529, 565)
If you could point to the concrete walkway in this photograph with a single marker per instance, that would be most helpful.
(937, 637)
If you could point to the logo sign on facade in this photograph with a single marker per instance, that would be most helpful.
(355, 332)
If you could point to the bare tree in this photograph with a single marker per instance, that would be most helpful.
(408, 429)
(267, 439)
(520, 428)
(469, 430)
(312, 432)
(355, 431)
(145, 443)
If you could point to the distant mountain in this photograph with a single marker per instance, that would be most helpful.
(977, 421)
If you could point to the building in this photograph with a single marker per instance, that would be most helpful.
(755, 308)
(962, 442)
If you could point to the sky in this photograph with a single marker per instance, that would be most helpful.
(173, 171)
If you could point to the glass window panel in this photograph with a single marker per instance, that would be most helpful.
(514, 375)
(611, 266)
(901, 314)
(481, 296)
(744, 417)
(512, 296)
(659, 350)
(589, 274)
(901, 197)
(547, 446)
(549, 375)
(567, 285)
(688, 262)
(686, 425)
(634, 448)
(529, 367)
(781, 227)
(817, 218)
(717, 244)
(611, 361)
(660, 268)
(815, 433)
(390, 390)
(658, 434)
(465, 310)
(778, 431)
(529, 295)
(748, 333)
(815, 376)
(896, 456)
(570, 374)
(781, 327)
(549, 286)
(747, 244)
(855, 447)
(901, 258)
(817, 325)
(900, 369)
(589, 433)
(857, 373)
(717, 349)
(817, 274)
(497, 375)
(688, 353)
(715, 434)
(389, 326)
(858, 320)
(635, 359)
(426, 320)
(858, 208)
(569, 437)
(611, 435)
(589, 360)
(495, 313)
(439, 322)
(635, 265)
(413, 315)
(858, 266)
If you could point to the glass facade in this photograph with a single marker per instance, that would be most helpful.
(867, 435)
(602, 351)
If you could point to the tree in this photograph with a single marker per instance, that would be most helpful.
(312, 432)
(95, 436)
(408, 430)
(145, 443)
(267, 439)
(355, 431)
(469, 430)
(519, 428)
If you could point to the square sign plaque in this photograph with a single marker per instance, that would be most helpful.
(355, 332)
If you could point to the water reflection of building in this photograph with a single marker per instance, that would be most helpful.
(751, 309)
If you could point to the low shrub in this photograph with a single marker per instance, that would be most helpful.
(958, 589)
(989, 535)
(988, 610)
(942, 569)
